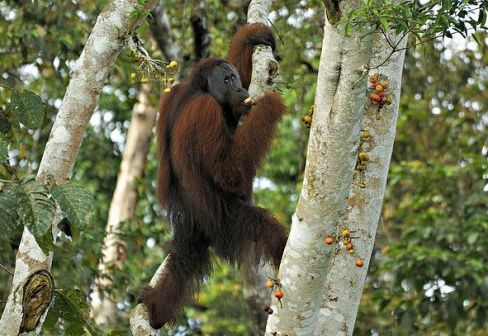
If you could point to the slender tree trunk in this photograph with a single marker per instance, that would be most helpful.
(332, 154)
(162, 33)
(102, 48)
(265, 68)
(256, 295)
(123, 205)
(340, 299)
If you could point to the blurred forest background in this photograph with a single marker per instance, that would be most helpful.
(428, 274)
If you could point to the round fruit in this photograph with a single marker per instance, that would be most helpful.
(269, 283)
(359, 262)
(329, 240)
(375, 97)
(349, 246)
(363, 156)
(384, 83)
(307, 118)
(379, 88)
(388, 101)
(167, 90)
(279, 294)
(381, 94)
(346, 233)
(144, 80)
(352, 251)
(373, 79)
(365, 134)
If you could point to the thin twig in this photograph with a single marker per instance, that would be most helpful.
(6, 270)
(394, 50)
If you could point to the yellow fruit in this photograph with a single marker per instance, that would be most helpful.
(346, 233)
(363, 156)
(365, 134)
(269, 283)
(166, 90)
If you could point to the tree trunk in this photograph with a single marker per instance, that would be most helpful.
(102, 48)
(344, 283)
(162, 33)
(332, 154)
(124, 200)
(122, 207)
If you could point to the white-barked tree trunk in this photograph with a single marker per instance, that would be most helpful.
(331, 159)
(344, 284)
(122, 207)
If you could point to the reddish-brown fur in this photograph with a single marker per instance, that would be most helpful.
(207, 167)
(241, 48)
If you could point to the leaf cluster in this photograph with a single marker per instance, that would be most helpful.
(425, 20)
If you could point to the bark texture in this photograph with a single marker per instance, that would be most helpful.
(87, 80)
(332, 153)
(341, 295)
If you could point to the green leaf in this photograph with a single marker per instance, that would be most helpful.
(70, 305)
(3, 150)
(75, 202)
(475, 38)
(34, 206)
(5, 124)
(482, 17)
(8, 213)
(28, 108)
(472, 238)
(46, 242)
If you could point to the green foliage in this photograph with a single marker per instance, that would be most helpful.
(425, 20)
(8, 213)
(34, 206)
(28, 108)
(71, 307)
(5, 123)
(3, 150)
(76, 204)
(429, 277)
